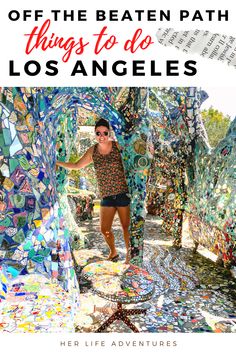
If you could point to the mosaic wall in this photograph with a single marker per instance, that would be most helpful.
(3, 284)
(175, 129)
(186, 175)
(212, 197)
(33, 236)
(87, 176)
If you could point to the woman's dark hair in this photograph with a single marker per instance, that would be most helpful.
(102, 123)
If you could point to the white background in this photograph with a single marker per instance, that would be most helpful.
(187, 343)
(13, 43)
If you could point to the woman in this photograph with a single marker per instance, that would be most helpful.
(111, 183)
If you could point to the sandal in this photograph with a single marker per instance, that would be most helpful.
(113, 259)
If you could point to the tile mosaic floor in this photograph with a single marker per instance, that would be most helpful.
(36, 305)
(192, 293)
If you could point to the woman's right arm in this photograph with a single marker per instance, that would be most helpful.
(84, 161)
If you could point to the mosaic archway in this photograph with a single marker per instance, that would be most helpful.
(33, 232)
(34, 235)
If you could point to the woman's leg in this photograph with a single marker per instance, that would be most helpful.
(106, 218)
(124, 215)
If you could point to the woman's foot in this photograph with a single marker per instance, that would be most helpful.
(113, 257)
(127, 259)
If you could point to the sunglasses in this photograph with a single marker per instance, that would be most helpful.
(102, 134)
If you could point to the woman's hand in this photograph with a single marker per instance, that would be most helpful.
(84, 161)
(56, 166)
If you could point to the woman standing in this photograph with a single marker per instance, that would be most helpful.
(111, 183)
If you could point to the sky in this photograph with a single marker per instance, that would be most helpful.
(221, 98)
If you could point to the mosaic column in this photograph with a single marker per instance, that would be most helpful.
(137, 160)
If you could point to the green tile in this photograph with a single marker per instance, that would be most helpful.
(13, 163)
(7, 136)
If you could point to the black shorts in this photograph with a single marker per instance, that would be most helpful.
(118, 200)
